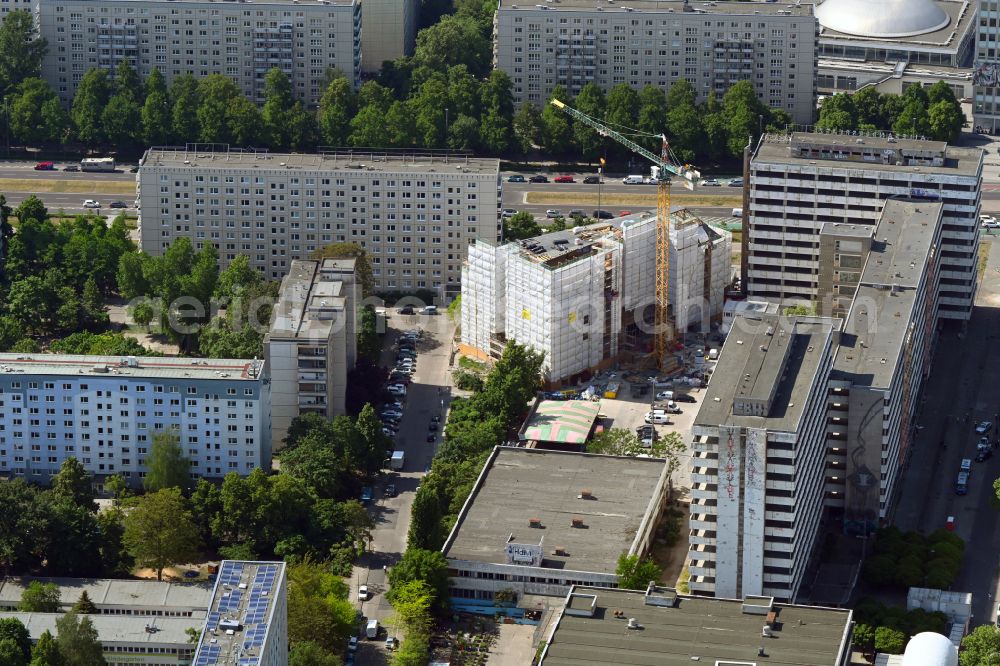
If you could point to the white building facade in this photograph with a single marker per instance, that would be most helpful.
(802, 181)
(105, 411)
(413, 214)
(202, 37)
(649, 42)
(758, 458)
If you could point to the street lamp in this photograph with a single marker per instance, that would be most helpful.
(446, 127)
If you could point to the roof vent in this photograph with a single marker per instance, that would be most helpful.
(634, 624)
(577, 522)
(585, 494)
(534, 522)
(560, 551)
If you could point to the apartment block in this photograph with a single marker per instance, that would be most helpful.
(390, 31)
(802, 181)
(758, 458)
(414, 214)
(313, 341)
(105, 410)
(657, 42)
(986, 69)
(581, 295)
(885, 353)
(200, 37)
(247, 621)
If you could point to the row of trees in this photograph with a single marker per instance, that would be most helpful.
(933, 112)
(913, 560)
(75, 643)
(882, 628)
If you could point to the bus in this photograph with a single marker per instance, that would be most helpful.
(97, 164)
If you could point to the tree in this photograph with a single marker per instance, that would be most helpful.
(46, 651)
(945, 120)
(426, 528)
(653, 113)
(318, 609)
(864, 637)
(127, 81)
(463, 92)
(74, 483)
(40, 597)
(336, 108)
(591, 101)
(143, 313)
(216, 93)
(980, 647)
(131, 276)
(83, 605)
(362, 266)
(527, 126)
(310, 653)
(838, 113)
(622, 110)
(743, 114)
(616, 442)
(498, 110)
(369, 127)
(912, 119)
(159, 530)
(278, 100)
(635, 573)
(454, 40)
(10, 654)
(155, 114)
(88, 106)
(28, 122)
(184, 108)
(890, 640)
(13, 630)
(21, 49)
(167, 465)
(520, 225)
(78, 641)
(463, 134)
(427, 566)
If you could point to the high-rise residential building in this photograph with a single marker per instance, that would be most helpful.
(986, 69)
(758, 458)
(247, 621)
(390, 31)
(578, 295)
(825, 405)
(238, 39)
(657, 42)
(105, 411)
(802, 181)
(312, 341)
(413, 214)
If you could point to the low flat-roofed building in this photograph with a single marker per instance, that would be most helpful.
(671, 629)
(119, 596)
(247, 621)
(127, 641)
(563, 425)
(539, 521)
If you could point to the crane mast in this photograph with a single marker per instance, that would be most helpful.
(664, 169)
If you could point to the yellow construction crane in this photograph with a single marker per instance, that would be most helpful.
(665, 167)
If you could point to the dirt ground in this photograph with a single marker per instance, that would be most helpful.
(175, 573)
(672, 558)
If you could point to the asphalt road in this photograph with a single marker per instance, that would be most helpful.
(958, 393)
(424, 400)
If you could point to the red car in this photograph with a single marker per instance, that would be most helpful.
(623, 213)
(564, 179)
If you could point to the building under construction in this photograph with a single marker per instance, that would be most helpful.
(583, 296)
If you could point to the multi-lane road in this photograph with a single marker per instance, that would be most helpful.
(65, 190)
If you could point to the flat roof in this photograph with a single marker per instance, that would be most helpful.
(563, 421)
(126, 593)
(139, 367)
(664, 7)
(785, 149)
(362, 161)
(519, 484)
(243, 594)
(307, 300)
(960, 18)
(846, 229)
(871, 346)
(691, 630)
(118, 629)
(766, 354)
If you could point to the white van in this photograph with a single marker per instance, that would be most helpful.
(371, 631)
(713, 354)
(633, 180)
(430, 309)
(737, 212)
(657, 417)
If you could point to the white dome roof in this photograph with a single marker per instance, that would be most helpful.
(882, 18)
(930, 649)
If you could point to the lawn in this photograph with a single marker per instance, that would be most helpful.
(42, 185)
(637, 200)
(984, 257)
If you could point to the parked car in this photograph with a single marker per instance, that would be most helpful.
(397, 387)
(91, 203)
(392, 413)
(623, 213)
(397, 390)
(665, 395)
(983, 455)
(984, 427)
(435, 419)
(684, 397)
(592, 180)
(118, 204)
(388, 432)
(987, 219)
(406, 310)
(352, 644)
(508, 212)
(433, 427)
(516, 178)
(431, 438)
(710, 182)
(564, 179)
(363, 593)
(538, 178)
(71, 167)
(602, 215)
(577, 213)
(736, 182)
(552, 212)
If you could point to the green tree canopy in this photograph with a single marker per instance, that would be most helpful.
(427, 566)
(75, 483)
(635, 573)
(167, 466)
(21, 49)
(159, 530)
(78, 641)
(520, 225)
(39, 597)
